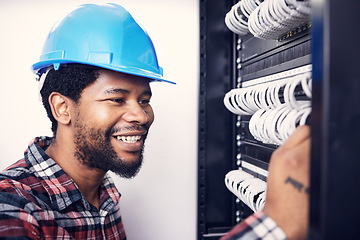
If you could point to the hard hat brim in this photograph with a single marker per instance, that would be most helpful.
(132, 71)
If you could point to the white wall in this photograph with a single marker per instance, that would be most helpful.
(160, 203)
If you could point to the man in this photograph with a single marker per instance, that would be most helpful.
(94, 75)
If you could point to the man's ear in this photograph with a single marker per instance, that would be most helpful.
(60, 107)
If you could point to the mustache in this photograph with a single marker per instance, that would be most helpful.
(114, 130)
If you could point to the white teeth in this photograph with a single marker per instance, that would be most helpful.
(129, 139)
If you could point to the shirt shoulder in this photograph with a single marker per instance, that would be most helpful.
(256, 226)
(18, 176)
(17, 205)
(18, 185)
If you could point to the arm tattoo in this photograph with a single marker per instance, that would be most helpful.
(298, 185)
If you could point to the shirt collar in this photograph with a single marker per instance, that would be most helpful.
(62, 190)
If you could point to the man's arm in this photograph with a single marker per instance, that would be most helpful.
(287, 199)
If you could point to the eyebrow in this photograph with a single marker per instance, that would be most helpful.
(123, 91)
(116, 90)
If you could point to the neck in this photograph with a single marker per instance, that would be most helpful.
(88, 180)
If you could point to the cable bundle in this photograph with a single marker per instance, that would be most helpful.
(267, 19)
(248, 100)
(250, 190)
(274, 18)
(275, 110)
(237, 18)
(276, 125)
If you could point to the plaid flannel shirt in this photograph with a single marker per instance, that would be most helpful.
(256, 226)
(38, 200)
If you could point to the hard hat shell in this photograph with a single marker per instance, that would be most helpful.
(104, 35)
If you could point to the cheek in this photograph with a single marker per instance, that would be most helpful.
(150, 112)
(102, 115)
(96, 115)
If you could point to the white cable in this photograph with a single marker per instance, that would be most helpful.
(274, 18)
(242, 102)
(245, 186)
(228, 104)
(265, 102)
(237, 18)
(305, 116)
(230, 25)
(261, 201)
(289, 92)
(271, 122)
(253, 124)
(306, 84)
(258, 97)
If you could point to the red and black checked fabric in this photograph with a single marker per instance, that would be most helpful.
(38, 200)
(256, 226)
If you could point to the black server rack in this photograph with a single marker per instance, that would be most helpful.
(328, 46)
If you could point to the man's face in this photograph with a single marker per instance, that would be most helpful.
(112, 120)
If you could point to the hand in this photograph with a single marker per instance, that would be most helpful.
(287, 200)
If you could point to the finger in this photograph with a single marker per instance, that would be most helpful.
(301, 134)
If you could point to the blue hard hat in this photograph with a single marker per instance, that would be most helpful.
(104, 35)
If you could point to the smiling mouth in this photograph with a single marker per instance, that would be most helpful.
(128, 139)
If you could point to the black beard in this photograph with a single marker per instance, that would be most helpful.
(94, 150)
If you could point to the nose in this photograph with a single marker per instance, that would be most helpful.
(136, 114)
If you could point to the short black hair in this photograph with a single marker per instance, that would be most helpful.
(69, 80)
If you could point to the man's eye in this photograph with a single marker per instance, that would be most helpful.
(117, 100)
(144, 102)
